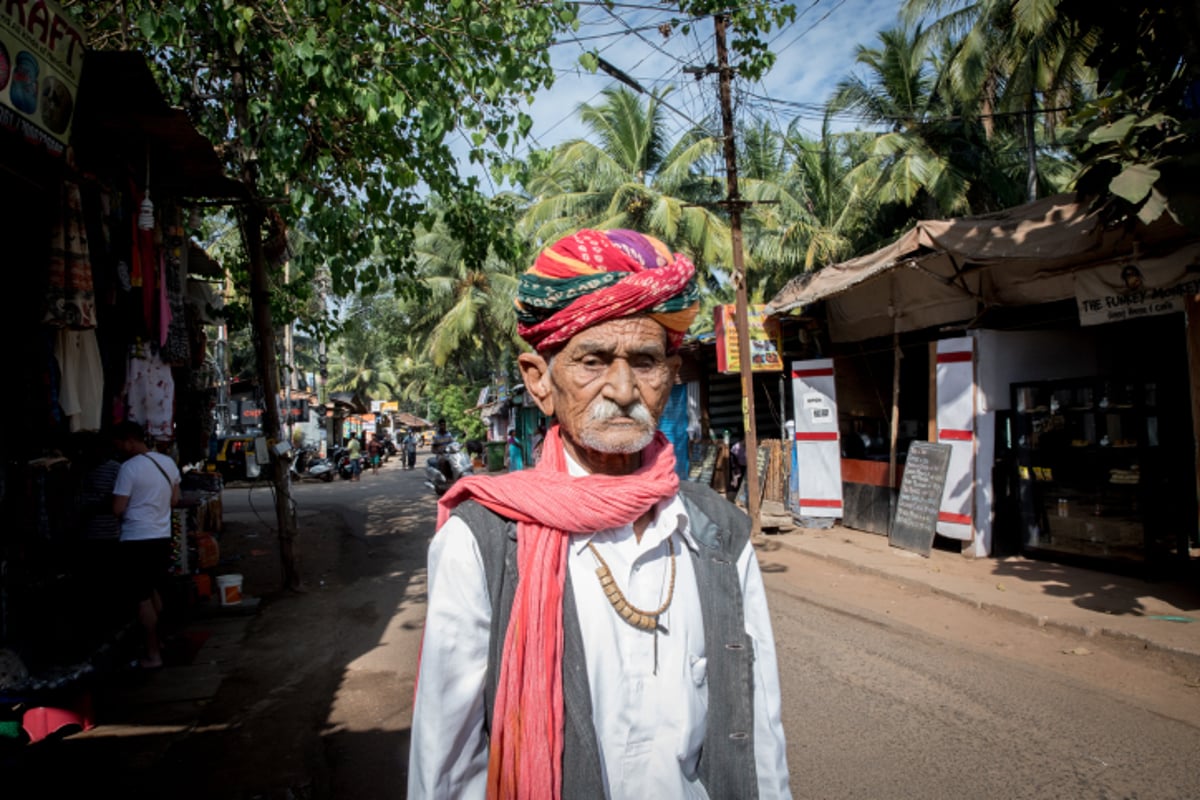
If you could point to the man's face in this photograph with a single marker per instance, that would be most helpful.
(610, 384)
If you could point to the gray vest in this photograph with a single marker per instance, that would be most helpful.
(726, 766)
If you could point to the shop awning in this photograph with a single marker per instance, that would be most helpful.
(349, 402)
(122, 110)
(411, 420)
(944, 271)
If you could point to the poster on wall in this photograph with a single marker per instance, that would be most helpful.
(765, 341)
(1119, 292)
(41, 59)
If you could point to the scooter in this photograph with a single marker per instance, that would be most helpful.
(441, 471)
(309, 465)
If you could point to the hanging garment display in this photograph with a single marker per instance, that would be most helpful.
(81, 386)
(150, 394)
(70, 299)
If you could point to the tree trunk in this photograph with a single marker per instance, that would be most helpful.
(1031, 180)
(253, 219)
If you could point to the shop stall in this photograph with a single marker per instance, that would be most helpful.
(105, 322)
(1054, 353)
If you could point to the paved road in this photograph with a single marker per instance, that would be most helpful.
(892, 695)
(886, 693)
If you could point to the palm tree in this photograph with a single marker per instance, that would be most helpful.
(627, 175)
(464, 315)
(912, 164)
(807, 213)
(1004, 59)
(358, 360)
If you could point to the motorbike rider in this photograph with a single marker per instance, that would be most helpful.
(441, 446)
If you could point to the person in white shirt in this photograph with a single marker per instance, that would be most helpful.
(595, 628)
(146, 489)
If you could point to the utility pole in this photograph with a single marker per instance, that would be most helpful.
(734, 203)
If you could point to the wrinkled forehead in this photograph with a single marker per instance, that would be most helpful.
(636, 333)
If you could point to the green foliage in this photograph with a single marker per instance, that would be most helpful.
(345, 110)
(751, 23)
(1138, 139)
(452, 403)
(626, 174)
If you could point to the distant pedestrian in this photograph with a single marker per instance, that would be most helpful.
(516, 457)
(375, 453)
(410, 450)
(354, 450)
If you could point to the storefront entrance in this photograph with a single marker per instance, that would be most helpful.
(1104, 462)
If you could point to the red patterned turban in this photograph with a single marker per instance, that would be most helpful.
(594, 276)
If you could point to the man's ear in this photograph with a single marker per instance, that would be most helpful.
(535, 371)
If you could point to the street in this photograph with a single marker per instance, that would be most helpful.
(887, 692)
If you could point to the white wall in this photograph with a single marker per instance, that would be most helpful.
(1004, 358)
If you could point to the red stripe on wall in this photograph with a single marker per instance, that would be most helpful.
(824, 372)
(817, 436)
(956, 435)
(814, 503)
(960, 519)
(956, 357)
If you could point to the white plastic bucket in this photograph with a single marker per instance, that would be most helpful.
(229, 589)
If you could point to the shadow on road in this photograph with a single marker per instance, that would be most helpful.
(310, 697)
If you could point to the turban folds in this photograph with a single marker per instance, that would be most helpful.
(594, 276)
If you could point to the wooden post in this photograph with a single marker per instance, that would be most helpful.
(896, 356)
(739, 278)
(1192, 309)
(933, 428)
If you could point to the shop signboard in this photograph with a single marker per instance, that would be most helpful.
(765, 341)
(250, 414)
(298, 409)
(41, 60)
(1119, 292)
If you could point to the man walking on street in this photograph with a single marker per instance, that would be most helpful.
(595, 627)
(354, 450)
(410, 450)
(147, 488)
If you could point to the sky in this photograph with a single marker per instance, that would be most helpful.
(813, 53)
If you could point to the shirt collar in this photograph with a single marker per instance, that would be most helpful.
(666, 509)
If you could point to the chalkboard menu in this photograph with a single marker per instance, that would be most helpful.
(920, 497)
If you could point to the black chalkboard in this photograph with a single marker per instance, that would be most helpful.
(920, 498)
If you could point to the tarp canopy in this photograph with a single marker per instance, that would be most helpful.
(944, 271)
(411, 420)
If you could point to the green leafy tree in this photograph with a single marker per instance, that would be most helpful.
(626, 174)
(337, 113)
(809, 212)
(1017, 67)
(1139, 139)
(465, 312)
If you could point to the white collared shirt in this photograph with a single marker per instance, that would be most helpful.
(649, 707)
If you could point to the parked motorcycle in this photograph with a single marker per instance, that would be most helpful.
(308, 464)
(441, 471)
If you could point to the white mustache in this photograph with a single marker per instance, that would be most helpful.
(603, 410)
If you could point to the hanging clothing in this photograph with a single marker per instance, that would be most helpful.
(150, 395)
(70, 299)
(176, 345)
(81, 378)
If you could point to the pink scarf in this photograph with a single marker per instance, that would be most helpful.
(525, 761)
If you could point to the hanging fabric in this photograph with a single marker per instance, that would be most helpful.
(70, 298)
(81, 386)
(150, 394)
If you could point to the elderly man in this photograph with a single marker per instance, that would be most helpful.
(596, 628)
